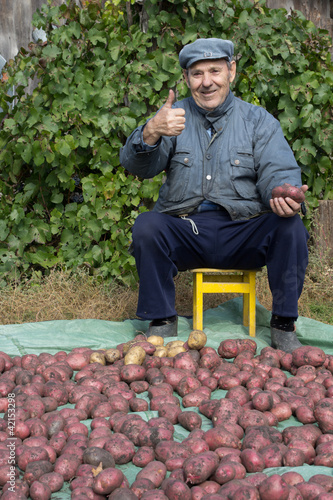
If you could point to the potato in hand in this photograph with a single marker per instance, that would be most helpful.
(288, 191)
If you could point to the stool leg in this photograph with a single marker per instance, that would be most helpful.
(252, 304)
(197, 302)
(246, 316)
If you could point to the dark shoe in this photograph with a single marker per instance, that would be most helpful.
(284, 341)
(164, 329)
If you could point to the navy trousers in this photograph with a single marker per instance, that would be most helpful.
(164, 244)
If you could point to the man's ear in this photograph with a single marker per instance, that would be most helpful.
(232, 72)
(185, 73)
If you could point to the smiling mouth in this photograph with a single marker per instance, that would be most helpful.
(208, 93)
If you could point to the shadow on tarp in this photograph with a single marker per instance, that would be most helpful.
(220, 323)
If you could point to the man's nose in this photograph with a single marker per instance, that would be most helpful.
(206, 80)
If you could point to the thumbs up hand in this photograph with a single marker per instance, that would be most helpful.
(167, 121)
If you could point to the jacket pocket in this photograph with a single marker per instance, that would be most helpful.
(244, 175)
(178, 175)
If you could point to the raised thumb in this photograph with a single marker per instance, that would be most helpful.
(170, 100)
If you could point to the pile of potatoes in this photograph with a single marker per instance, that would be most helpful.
(44, 442)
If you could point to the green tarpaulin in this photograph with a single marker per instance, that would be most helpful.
(220, 323)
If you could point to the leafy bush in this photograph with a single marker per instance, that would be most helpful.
(65, 200)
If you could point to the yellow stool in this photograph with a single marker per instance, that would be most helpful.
(206, 280)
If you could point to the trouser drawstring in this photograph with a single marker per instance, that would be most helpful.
(194, 227)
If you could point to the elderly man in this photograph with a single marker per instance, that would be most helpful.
(222, 157)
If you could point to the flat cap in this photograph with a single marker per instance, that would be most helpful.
(205, 48)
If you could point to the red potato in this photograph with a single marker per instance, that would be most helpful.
(239, 394)
(161, 422)
(176, 489)
(56, 391)
(140, 486)
(310, 491)
(306, 447)
(325, 460)
(187, 384)
(324, 480)
(323, 413)
(107, 481)
(294, 457)
(8, 473)
(132, 428)
(172, 375)
(78, 360)
(185, 361)
(19, 486)
(196, 445)
(251, 418)
(6, 387)
(120, 447)
(40, 491)
(228, 471)
(123, 494)
(131, 373)
(143, 456)
(258, 437)
(263, 401)
(308, 355)
(58, 441)
(196, 397)
(210, 359)
(54, 480)
(252, 460)
(190, 420)
(220, 412)
(200, 467)
(138, 405)
(227, 382)
(208, 406)
(160, 390)
(167, 449)
(81, 482)
(151, 436)
(282, 411)
(309, 432)
(100, 422)
(139, 386)
(220, 436)
(154, 471)
(95, 456)
(292, 478)
(66, 465)
(86, 493)
(305, 415)
(30, 455)
(34, 470)
(274, 488)
(210, 382)
(21, 430)
(286, 190)
(88, 402)
(170, 411)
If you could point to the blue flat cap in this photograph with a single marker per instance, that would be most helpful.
(205, 48)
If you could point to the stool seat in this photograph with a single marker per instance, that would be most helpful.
(207, 280)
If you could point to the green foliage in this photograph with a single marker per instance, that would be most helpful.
(65, 200)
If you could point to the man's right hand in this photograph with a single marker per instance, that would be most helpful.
(167, 121)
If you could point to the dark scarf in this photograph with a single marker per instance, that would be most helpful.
(210, 118)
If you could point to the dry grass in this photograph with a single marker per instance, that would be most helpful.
(62, 295)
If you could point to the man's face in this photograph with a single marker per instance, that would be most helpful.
(209, 82)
